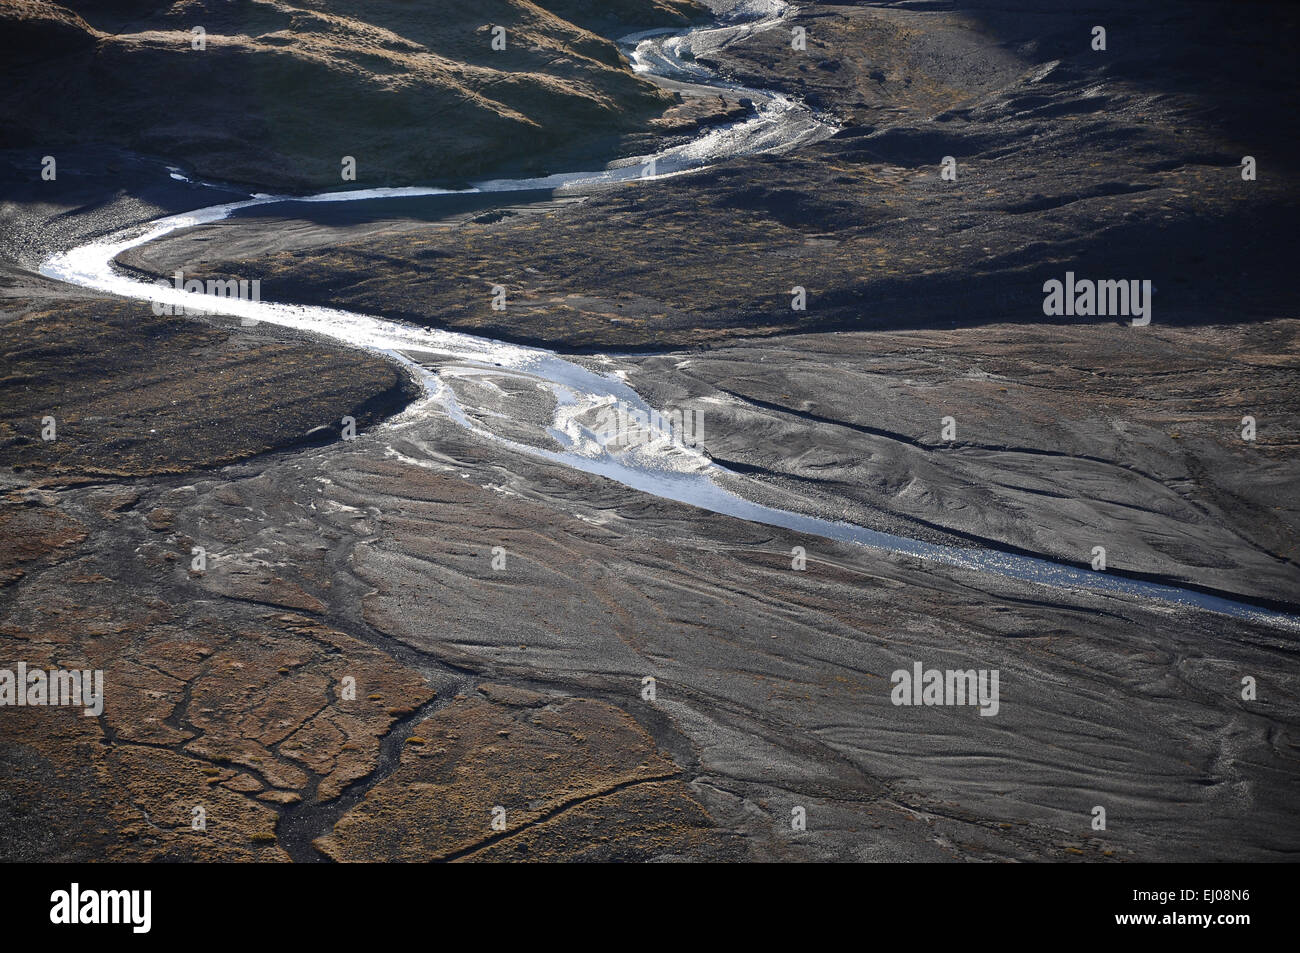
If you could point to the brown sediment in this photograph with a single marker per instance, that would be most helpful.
(573, 779)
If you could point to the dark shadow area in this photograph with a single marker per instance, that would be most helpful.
(1203, 271)
(420, 208)
(1239, 58)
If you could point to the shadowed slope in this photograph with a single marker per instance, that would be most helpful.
(281, 92)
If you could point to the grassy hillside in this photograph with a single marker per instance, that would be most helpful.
(411, 88)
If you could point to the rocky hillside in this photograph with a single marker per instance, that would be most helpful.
(282, 91)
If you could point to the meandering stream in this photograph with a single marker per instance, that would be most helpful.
(454, 367)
